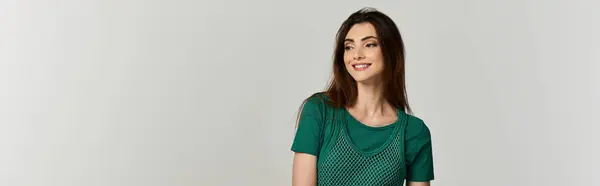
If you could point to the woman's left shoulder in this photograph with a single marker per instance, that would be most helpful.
(416, 127)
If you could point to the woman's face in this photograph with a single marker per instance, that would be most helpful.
(362, 53)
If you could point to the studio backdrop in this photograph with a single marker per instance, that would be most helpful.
(182, 93)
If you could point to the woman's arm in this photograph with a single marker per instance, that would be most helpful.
(419, 154)
(304, 171)
(307, 142)
(418, 184)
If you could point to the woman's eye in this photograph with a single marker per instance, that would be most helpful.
(347, 47)
(371, 45)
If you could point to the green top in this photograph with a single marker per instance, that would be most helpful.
(352, 153)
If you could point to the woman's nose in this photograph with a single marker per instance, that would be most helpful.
(359, 54)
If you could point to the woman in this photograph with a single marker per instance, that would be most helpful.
(358, 131)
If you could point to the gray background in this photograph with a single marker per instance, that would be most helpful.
(156, 93)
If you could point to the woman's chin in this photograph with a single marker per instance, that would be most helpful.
(366, 80)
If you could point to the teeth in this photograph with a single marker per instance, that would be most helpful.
(361, 66)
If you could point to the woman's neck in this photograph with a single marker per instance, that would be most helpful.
(370, 100)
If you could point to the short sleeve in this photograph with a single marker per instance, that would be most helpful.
(308, 133)
(419, 154)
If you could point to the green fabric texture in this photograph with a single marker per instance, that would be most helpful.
(351, 153)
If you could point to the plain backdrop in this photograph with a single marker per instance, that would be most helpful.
(182, 93)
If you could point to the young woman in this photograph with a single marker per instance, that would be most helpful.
(358, 132)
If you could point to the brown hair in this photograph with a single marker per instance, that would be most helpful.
(342, 90)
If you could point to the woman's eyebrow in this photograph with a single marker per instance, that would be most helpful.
(364, 38)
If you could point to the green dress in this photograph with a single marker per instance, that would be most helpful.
(351, 153)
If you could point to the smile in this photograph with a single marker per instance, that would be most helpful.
(361, 66)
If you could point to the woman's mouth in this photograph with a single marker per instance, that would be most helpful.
(361, 66)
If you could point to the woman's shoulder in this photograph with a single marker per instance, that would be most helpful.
(319, 99)
(318, 102)
(416, 127)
